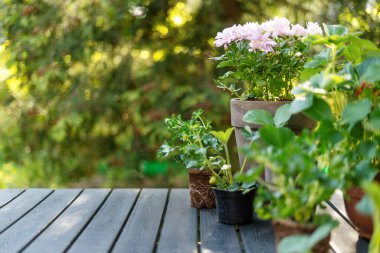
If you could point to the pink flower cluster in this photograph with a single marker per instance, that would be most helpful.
(261, 36)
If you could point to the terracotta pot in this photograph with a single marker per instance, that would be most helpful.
(239, 108)
(364, 223)
(201, 194)
(283, 228)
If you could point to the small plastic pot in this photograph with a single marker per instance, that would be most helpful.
(234, 207)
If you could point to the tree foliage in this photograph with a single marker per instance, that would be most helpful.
(86, 84)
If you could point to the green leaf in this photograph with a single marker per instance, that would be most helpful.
(373, 190)
(367, 149)
(365, 206)
(335, 30)
(191, 164)
(374, 120)
(293, 244)
(260, 117)
(223, 137)
(164, 151)
(353, 53)
(248, 134)
(282, 115)
(301, 103)
(319, 60)
(332, 80)
(225, 64)
(369, 70)
(320, 233)
(278, 137)
(356, 111)
(305, 243)
(319, 111)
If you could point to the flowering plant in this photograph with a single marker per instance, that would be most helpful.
(263, 59)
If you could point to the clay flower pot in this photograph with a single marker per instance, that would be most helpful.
(284, 228)
(363, 222)
(234, 207)
(239, 108)
(201, 194)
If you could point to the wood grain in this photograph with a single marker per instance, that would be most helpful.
(100, 234)
(58, 236)
(258, 236)
(215, 236)
(179, 232)
(23, 231)
(13, 211)
(141, 229)
(7, 195)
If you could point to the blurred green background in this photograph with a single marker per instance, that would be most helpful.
(86, 84)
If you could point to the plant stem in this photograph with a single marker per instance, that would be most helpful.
(228, 162)
(245, 160)
(333, 57)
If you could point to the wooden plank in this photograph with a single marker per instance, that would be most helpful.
(179, 231)
(13, 211)
(23, 231)
(100, 234)
(344, 237)
(58, 236)
(140, 232)
(7, 195)
(215, 236)
(258, 236)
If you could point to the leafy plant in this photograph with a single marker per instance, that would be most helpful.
(263, 59)
(197, 146)
(300, 181)
(341, 92)
(192, 143)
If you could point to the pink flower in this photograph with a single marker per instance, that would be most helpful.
(261, 41)
(313, 28)
(249, 29)
(230, 34)
(298, 30)
(279, 27)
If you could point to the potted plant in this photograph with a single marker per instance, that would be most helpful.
(233, 198)
(345, 79)
(192, 144)
(263, 61)
(301, 181)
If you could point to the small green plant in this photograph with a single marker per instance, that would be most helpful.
(300, 181)
(192, 143)
(197, 146)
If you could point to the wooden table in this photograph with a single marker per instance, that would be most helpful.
(132, 220)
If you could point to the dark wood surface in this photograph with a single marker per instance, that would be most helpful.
(134, 220)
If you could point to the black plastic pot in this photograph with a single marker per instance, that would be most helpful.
(234, 207)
